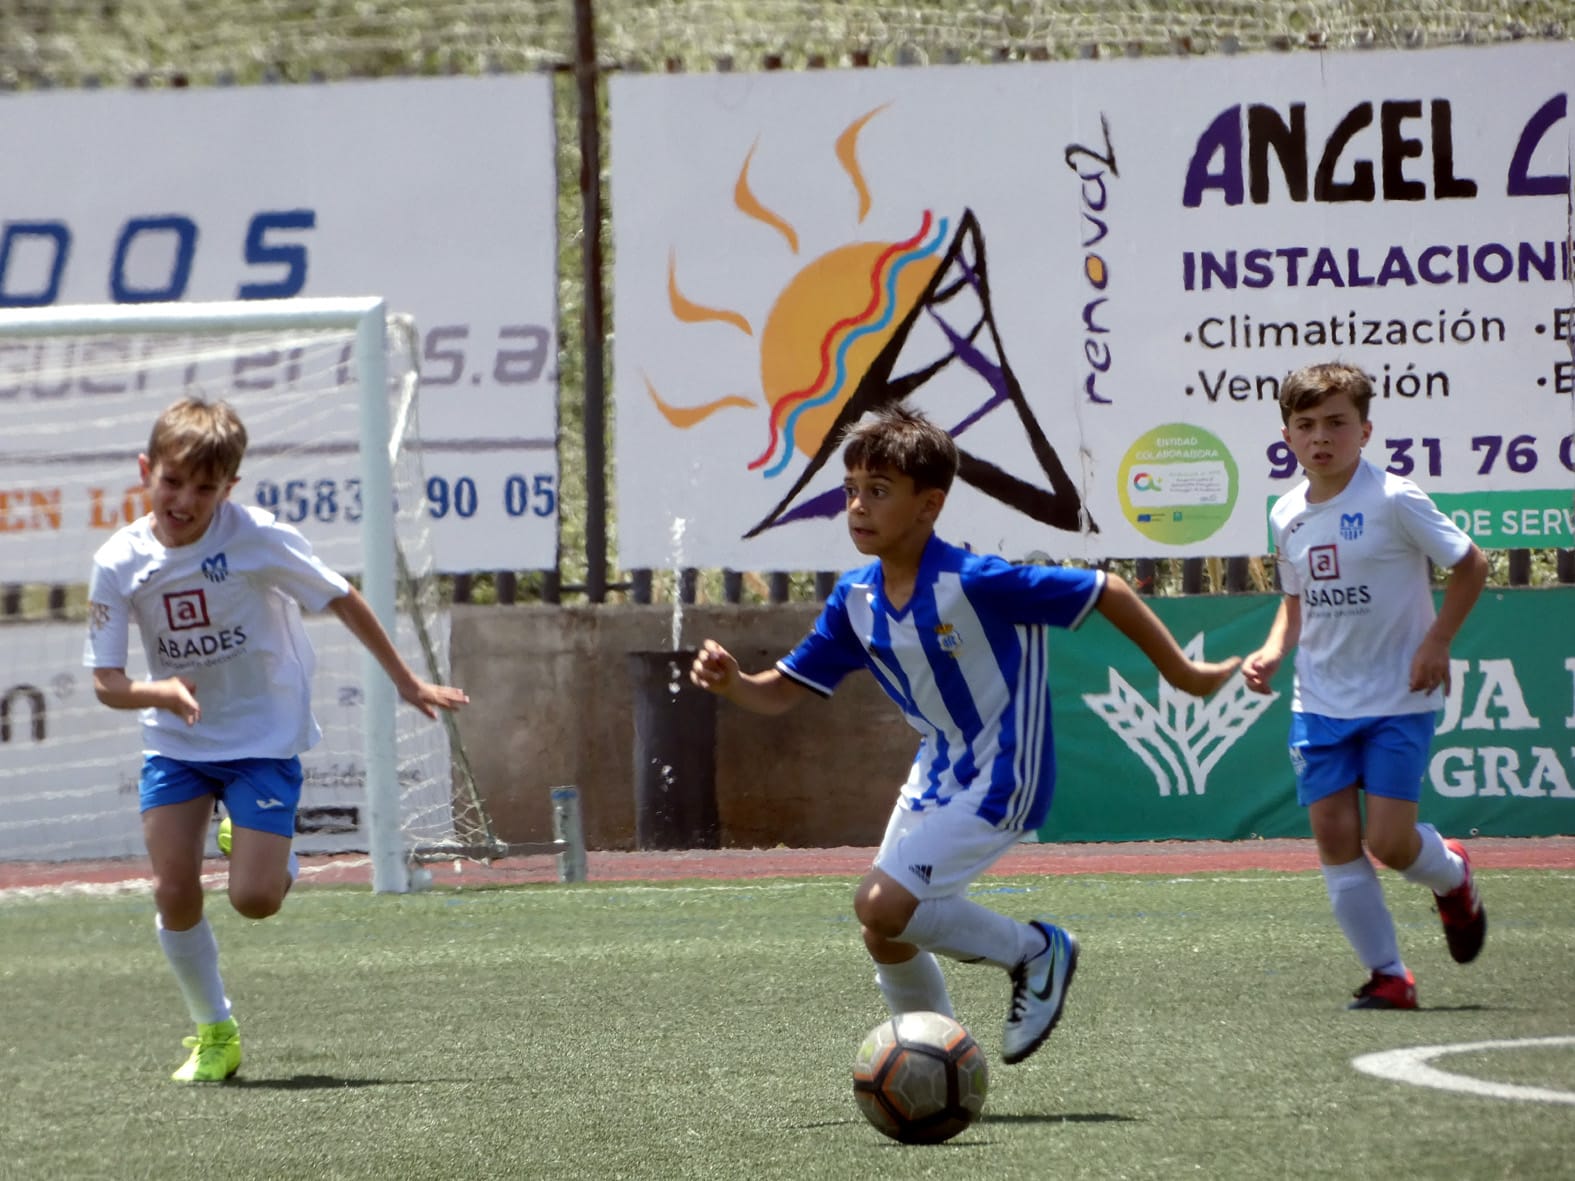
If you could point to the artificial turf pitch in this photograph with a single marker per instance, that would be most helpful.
(707, 1030)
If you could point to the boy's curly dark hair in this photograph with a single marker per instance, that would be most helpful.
(903, 441)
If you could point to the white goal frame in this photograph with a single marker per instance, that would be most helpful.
(366, 316)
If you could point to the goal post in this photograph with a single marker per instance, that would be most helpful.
(328, 391)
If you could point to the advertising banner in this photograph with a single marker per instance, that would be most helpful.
(1095, 275)
(1139, 761)
(69, 766)
(437, 194)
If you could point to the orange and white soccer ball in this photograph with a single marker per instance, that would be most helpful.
(920, 1078)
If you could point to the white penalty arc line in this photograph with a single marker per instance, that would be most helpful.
(1412, 1066)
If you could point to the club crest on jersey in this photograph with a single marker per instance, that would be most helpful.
(1323, 562)
(1350, 526)
(948, 639)
(186, 609)
(216, 568)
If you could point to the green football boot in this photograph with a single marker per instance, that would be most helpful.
(215, 1054)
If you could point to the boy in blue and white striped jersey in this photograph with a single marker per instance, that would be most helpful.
(959, 642)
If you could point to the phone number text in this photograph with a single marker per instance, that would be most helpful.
(330, 499)
(1519, 454)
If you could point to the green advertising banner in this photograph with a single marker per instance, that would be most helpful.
(1140, 761)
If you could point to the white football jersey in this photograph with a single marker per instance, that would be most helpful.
(223, 612)
(1358, 564)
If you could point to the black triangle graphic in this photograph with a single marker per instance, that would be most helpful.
(962, 268)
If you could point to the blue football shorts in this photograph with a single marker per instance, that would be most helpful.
(1386, 755)
(257, 793)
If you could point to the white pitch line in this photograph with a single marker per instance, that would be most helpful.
(1412, 1066)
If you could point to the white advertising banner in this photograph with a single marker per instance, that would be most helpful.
(1095, 275)
(437, 194)
(69, 766)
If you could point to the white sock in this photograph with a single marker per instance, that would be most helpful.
(963, 930)
(914, 986)
(1358, 900)
(1435, 866)
(194, 957)
(293, 866)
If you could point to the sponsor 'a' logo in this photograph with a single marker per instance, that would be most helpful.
(1323, 562)
(185, 610)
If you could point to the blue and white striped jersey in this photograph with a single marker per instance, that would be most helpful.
(965, 660)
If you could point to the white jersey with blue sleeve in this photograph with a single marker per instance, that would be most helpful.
(966, 660)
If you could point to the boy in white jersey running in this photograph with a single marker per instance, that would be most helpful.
(1372, 666)
(959, 642)
(216, 590)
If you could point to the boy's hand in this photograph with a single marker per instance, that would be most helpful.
(1430, 666)
(180, 698)
(714, 668)
(1259, 669)
(1202, 677)
(429, 698)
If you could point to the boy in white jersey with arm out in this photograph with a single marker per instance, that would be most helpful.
(215, 591)
(1372, 665)
(959, 642)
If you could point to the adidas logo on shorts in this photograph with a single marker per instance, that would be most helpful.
(922, 872)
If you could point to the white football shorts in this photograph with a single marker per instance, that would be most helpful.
(938, 852)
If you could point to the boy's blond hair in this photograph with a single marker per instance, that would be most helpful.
(1313, 385)
(200, 435)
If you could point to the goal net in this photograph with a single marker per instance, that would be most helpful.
(327, 391)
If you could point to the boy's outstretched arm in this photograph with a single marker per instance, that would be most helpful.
(356, 614)
(1120, 604)
(1430, 665)
(1284, 634)
(716, 671)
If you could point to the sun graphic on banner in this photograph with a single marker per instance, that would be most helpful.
(809, 371)
(832, 337)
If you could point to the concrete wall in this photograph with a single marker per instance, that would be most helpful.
(552, 703)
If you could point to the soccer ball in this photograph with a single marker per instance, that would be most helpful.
(920, 1078)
